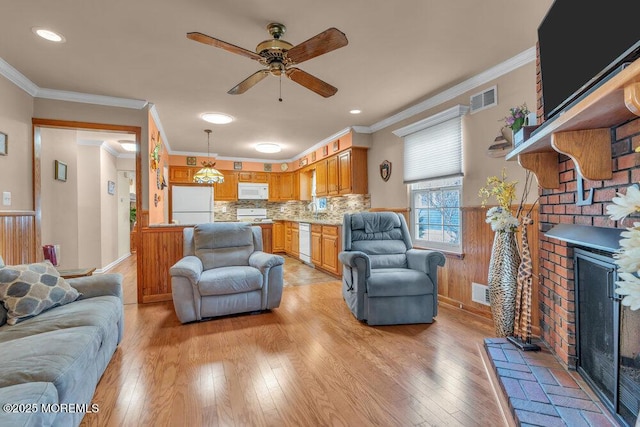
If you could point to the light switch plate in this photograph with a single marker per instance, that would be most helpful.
(6, 198)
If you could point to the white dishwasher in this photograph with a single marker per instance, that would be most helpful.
(305, 241)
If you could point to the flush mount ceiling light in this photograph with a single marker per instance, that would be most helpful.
(268, 147)
(127, 145)
(355, 111)
(216, 118)
(46, 34)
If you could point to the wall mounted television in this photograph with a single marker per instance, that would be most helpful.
(583, 43)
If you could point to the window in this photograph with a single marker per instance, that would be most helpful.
(435, 214)
(433, 171)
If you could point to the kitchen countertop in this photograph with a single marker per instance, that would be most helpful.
(311, 221)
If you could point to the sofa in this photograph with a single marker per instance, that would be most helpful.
(224, 271)
(385, 281)
(51, 362)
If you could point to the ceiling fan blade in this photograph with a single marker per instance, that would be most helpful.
(310, 82)
(203, 38)
(249, 82)
(320, 44)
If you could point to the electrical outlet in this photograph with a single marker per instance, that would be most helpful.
(281, 209)
(224, 209)
(6, 198)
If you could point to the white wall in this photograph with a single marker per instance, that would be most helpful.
(58, 199)
(108, 209)
(479, 132)
(16, 110)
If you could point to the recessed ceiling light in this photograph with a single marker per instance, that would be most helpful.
(129, 146)
(268, 147)
(355, 111)
(217, 118)
(52, 36)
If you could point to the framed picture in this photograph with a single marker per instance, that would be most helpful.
(111, 187)
(302, 162)
(325, 150)
(3, 144)
(313, 156)
(191, 161)
(237, 166)
(60, 171)
(267, 167)
(336, 145)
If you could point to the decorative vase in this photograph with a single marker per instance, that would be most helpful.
(503, 281)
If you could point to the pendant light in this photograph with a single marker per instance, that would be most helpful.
(208, 174)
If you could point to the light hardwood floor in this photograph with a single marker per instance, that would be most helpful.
(306, 363)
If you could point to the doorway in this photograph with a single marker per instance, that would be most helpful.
(85, 213)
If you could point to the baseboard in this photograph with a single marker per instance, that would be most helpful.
(113, 264)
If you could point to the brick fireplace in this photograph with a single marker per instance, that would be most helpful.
(558, 206)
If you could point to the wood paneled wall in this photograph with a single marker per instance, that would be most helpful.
(18, 237)
(455, 278)
(162, 247)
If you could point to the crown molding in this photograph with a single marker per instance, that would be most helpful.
(156, 118)
(484, 77)
(443, 116)
(17, 78)
(86, 98)
(362, 129)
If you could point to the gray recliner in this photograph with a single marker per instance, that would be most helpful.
(224, 271)
(384, 280)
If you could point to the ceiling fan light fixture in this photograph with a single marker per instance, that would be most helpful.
(268, 147)
(50, 35)
(216, 118)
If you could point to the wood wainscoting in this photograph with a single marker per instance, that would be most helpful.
(162, 247)
(18, 237)
(455, 278)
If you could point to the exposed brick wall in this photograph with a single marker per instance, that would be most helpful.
(556, 291)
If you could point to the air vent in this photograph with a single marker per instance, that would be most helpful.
(485, 99)
(480, 293)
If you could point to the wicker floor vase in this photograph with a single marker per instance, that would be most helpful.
(503, 281)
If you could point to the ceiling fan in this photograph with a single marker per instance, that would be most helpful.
(279, 57)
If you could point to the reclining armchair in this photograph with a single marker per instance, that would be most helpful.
(384, 280)
(224, 271)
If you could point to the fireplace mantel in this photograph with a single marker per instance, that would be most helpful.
(582, 132)
(601, 238)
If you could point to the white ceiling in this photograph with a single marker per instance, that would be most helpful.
(399, 53)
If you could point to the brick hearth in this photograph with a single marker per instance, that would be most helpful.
(540, 391)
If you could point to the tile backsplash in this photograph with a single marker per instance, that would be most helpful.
(298, 210)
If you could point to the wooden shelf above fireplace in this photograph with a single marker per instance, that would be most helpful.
(583, 131)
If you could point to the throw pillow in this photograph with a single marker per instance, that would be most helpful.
(29, 289)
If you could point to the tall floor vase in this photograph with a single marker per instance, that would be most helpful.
(503, 281)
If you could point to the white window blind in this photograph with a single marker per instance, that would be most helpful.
(433, 146)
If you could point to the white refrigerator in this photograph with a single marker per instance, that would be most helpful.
(191, 204)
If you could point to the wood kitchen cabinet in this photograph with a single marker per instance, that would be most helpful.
(227, 190)
(287, 237)
(332, 176)
(295, 240)
(352, 171)
(331, 247)
(326, 244)
(259, 177)
(316, 244)
(181, 174)
(278, 237)
(281, 187)
(321, 178)
(267, 237)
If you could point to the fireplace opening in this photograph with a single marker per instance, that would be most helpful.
(607, 335)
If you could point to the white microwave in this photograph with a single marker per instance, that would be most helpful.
(252, 191)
